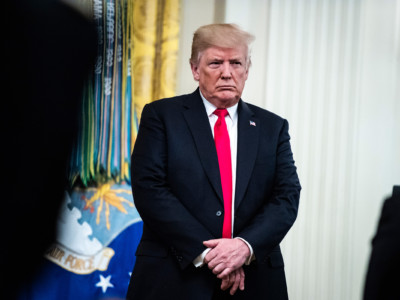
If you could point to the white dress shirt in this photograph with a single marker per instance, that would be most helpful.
(231, 124)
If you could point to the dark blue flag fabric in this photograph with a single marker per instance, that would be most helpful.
(93, 257)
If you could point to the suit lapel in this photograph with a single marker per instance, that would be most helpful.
(199, 125)
(248, 135)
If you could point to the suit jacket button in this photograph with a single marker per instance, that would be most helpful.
(218, 213)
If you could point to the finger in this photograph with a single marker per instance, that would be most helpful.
(224, 272)
(224, 257)
(215, 259)
(210, 256)
(236, 283)
(215, 263)
(242, 276)
(211, 243)
(232, 278)
(220, 268)
(225, 283)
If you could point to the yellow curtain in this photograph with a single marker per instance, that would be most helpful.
(155, 47)
(154, 41)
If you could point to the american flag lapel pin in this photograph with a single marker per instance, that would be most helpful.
(252, 123)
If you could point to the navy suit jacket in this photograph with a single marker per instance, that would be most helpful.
(382, 280)
(177, 191)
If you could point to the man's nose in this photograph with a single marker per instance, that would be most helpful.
(226, 70)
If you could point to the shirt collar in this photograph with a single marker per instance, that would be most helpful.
(210, 108)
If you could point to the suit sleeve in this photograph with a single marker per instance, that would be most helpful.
(267, 228)
(161, 211)
(380, 283)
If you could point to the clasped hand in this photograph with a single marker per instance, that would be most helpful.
(226, 259)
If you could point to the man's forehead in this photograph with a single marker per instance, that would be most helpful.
(229, 53)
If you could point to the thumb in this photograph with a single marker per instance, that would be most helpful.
(211, 243)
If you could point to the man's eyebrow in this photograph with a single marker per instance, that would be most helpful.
(239, 58)
(230, 59)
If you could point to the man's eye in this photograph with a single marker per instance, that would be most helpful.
(238, 63)
(214, 64)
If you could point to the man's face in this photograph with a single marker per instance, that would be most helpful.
(222, 73)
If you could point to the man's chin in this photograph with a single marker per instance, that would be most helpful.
(224, 102)
(227, 96)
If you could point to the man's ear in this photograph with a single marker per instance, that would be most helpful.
(195, 71)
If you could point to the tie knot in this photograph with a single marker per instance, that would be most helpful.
(221, 112)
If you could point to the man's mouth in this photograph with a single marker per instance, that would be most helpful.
(226, 87)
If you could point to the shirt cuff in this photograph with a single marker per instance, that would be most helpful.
(199, 260)
(252, 256)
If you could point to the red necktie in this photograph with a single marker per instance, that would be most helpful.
(221, 138)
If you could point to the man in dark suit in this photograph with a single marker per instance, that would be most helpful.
(383, 271)
(215, 183)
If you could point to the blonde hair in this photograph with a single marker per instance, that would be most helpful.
(219, 35)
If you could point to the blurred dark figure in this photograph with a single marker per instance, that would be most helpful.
(383, 277)
(49, 50)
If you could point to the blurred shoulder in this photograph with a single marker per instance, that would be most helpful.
(175, 102)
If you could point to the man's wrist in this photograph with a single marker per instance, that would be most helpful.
(251, 256)
(199, 260)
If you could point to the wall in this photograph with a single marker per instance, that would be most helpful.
(193, 15)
